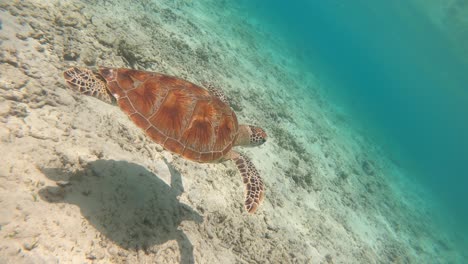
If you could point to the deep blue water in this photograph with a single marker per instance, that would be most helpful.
(397, 74)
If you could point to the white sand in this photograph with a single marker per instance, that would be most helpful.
(79, 183)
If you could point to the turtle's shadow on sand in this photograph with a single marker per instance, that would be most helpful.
(127, 203)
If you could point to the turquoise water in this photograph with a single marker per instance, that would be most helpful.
(398, 75)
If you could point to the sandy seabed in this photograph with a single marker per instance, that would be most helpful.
(80, 183)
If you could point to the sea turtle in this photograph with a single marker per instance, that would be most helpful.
(184, 118)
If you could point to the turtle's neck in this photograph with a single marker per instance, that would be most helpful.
(243, 138)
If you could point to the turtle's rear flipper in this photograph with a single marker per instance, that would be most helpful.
(254, 188)
(87, 82)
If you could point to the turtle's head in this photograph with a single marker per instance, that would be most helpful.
(250, 136)
(258, 136)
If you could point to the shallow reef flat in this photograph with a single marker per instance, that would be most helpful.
(80, 183)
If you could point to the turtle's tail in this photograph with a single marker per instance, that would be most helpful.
(87, 82)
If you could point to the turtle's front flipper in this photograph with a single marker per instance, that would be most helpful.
(87, 82)
(254, 188)
(216, 92)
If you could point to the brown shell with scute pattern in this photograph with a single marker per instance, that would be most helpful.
(179, 115)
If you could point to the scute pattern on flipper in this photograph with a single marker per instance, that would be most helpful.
(254, 188)
(216, 92)
(87, 82)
